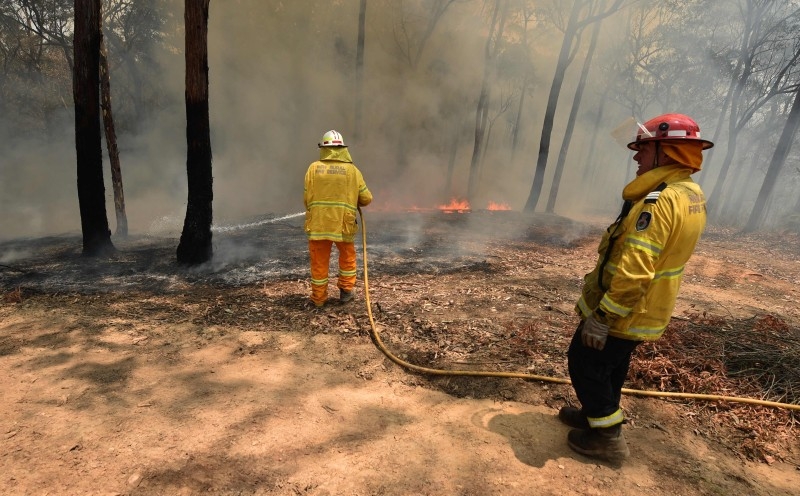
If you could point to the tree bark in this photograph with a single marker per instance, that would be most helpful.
(518, 118)
(359, 96)
(775, 165)
(573, 115)
(88, 141)
(111, 142)
(482, 110)
(515, 131)
(552, 103)
(752, 39)
(195, 244)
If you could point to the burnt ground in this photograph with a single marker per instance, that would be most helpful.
(452, 291)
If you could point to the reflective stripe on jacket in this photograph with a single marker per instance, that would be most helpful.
(333, 192)
(653, 243)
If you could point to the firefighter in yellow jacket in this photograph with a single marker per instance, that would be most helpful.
(334, 189)
(629, 297)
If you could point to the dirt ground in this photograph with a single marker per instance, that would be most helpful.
(134, 376)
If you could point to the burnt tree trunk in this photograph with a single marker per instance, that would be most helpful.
(88, 141)
(482, 110)
(518, 119)
(359, 97)
(526, 76)
(195, 244)
(111, 142)
(552, 103)
(573, 115)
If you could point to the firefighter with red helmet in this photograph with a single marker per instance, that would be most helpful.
(334, 189)
(629, 296)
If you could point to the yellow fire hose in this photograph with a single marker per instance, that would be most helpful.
(519, 375)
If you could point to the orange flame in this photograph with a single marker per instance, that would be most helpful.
(455, 206)
(498, 206)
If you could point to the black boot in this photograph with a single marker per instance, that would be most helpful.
(573, 417)
(607, 444)
(346, 296)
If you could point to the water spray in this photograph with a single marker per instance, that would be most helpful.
(238, 227)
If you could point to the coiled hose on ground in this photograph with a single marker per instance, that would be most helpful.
(376, 338)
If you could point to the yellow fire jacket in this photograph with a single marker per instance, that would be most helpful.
(642, 255)
(334, 189)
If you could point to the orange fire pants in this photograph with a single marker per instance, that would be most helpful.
(320, 252)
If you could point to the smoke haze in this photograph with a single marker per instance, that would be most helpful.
(283, 73)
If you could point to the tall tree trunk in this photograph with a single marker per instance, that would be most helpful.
(523, 91)
(451, 161)
(589, 166)
(716, 200)
(195, 244)
(573, 115)
(775, 165)
(479, 169)
(88, 141)
(482, 110)
(552, 103)
(744, 64)
(359, 96)
(518, 119)
(111, 142)
(720, 121)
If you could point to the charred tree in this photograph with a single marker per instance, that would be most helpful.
(526, 77)
(573, 115)
(750, 38)
(552, 102)
(776, 164)
(761, 63)
(482, 110)
(573, 27)
(88, 141)
(359, 98)
(111, 142)
(518, 117)
(195, 244)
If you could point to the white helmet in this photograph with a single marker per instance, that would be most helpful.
(331, 138)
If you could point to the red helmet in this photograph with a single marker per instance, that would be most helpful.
(669, 127)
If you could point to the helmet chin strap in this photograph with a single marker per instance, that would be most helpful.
(655, 157)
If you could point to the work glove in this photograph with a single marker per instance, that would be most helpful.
(594, 333)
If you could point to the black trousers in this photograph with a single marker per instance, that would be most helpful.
(598, 375)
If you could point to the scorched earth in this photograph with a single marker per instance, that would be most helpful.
(136, 376)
